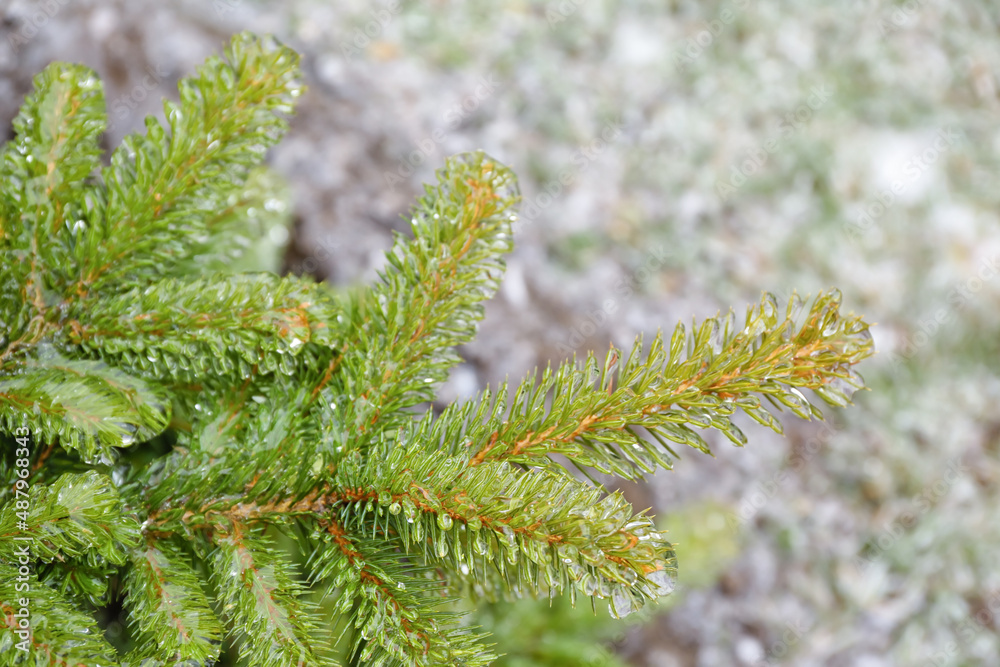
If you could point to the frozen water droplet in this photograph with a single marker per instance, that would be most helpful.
(643, 458)
(769, 310)
(715, 337)
(795, 306)
(664, 582)
(737, 434)
(622, 603)
(839, 391)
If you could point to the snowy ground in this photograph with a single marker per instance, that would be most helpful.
(712, 150)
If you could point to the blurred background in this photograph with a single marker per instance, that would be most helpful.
(676, 158)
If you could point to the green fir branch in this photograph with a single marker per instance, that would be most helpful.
(43, 199)
(78, 516)
(54, 151)
(161, 189)
(395, 604)
(260, 601)
(429, 298)
(85, 405)
(540, 531)
(219, 324)
(170, 615)
(590, 412)
(59, 633)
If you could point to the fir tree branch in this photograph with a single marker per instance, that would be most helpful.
(428, 300)
(42, 176)
(265, 404)
(86, 405)
(78, 533)
(79, 516)
(161, 190)
(169, 613)
(397, 605)
(540, 530)
(55, 149)
(61, 635)
(218, 325)
(260, 600)
(534, 527)
(699, 382)
(258, 450)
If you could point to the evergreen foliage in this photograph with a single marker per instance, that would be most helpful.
(187, 421)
